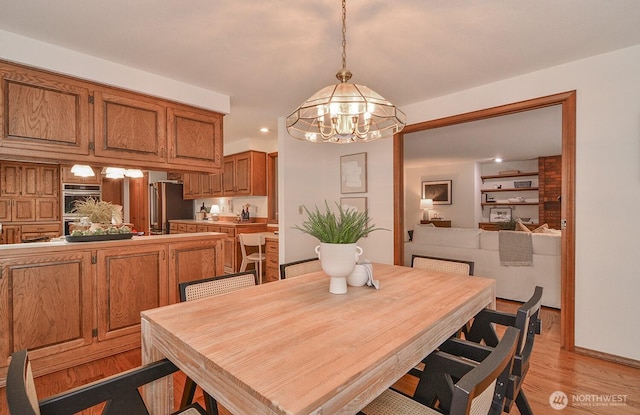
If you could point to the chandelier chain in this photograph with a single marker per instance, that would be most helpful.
(344, 34)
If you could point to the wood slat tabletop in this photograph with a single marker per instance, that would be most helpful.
(291, 347)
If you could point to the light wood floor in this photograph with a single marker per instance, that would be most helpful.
(552, 369)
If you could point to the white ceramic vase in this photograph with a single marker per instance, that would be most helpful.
(338, 261)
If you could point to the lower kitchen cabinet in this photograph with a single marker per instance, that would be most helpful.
(272, 254)
(130, 280)
(74, 303)
(47, 303)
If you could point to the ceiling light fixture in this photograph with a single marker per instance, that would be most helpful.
(345, 112)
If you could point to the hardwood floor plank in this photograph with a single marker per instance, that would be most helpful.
(584, 380)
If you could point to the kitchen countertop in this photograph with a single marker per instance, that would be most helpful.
(58, 244)
(217, 222)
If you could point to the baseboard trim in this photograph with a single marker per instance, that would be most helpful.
(608, 357)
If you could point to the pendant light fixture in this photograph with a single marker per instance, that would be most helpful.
(345, 112)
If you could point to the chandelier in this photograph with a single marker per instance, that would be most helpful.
(345, 112)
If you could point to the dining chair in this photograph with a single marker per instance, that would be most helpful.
(480, 389)
(480, 340)
(255, 240)
(296, 268)
(119, 392)
(209, 287)
(454, 266)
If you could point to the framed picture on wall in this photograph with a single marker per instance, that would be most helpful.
(438, 191)
(499, 214)
(353, 173)
(357, 203)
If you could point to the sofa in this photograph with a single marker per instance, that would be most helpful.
(515, 280)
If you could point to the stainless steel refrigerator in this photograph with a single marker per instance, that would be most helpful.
(166, 203)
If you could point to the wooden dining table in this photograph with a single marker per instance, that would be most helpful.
(291, 347)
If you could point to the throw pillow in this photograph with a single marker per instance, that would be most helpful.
(541, 228)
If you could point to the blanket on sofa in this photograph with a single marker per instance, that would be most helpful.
(516, 249)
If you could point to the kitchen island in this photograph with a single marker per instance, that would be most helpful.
(71, 303)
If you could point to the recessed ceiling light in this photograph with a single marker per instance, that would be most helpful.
(264, 130)
(498, 160)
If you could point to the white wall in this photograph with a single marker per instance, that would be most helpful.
(461, 211)
(35, 53)
(607, 185)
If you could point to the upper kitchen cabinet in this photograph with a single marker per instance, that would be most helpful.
(42, 112)
(194, 137)
(245, 174)
(129, 128)
(55, 117)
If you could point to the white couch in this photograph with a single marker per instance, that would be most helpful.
(482, 247)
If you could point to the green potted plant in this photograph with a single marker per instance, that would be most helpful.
(338, 234)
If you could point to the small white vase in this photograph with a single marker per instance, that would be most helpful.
(338, 261)
(358, 277)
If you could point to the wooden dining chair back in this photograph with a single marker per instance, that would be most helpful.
(207, 287)
(204, 288)
(482, 333)
(453, 266)
(119, 393)
(480, 389)
(296, 268)
(252, 240)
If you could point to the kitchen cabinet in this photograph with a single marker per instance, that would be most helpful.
(46, 303)
(130, 279)
(129, 127)
(245, 174)
(34, 231)
(191, 185)
(11, 234)
(201, 185)
(194, 138)
(29, 192)
(43, 113)
(74, 303)
(272, 254)
(65, 119)
(191, 261)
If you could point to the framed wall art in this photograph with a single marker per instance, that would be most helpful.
(357, 203)
(353, 173)
(502, 214)
(438, 191)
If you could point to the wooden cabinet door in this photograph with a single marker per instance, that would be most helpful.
(10, 179)
(48, 181)
(243, 174)
(47, 304)
(229, 259)
(205, 185)
(193, 261)
(191, 185)
(42, 112)
(23, 210)
(127, 128)
(216, 184)
(10, 235)
(195, 138)
(47, 209)
(5, 209)
(29, 177)
(130, 279)
(229, 176)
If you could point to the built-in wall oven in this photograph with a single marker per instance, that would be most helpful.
(72, 193)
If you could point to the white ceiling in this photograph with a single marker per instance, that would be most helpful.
(271, 55)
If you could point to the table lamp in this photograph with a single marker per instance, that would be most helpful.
(426, 205)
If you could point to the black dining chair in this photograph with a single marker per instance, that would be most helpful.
(480, 389)
(479, 342)
(119, 392)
